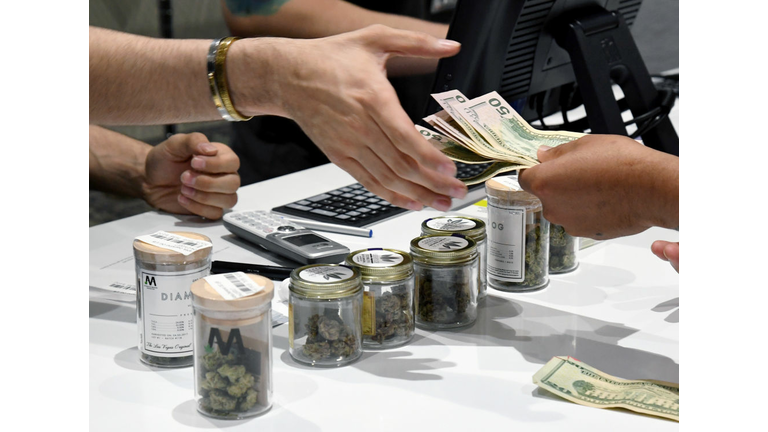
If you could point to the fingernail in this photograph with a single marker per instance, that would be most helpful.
(206, 147)
(442, 204)
(448, 169)
(198, 163)
(544, 148)
(188, 191)
(413, 205)
(187, 178)
(459, 192)
(447, 43)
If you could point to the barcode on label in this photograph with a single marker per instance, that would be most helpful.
(232, 286)
(162, 236)
(123, 286)
(239, 285)
(174, 242)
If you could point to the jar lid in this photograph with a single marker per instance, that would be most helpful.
(381, 265)
(443, 249)
(146, 252)
(508, 189)
(206, 296)
(326, 281)
(465, 225)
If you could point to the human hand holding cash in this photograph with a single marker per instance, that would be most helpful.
(487, 129)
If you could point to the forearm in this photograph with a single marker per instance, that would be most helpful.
(141, 80)
(322, 18)
(116, 163)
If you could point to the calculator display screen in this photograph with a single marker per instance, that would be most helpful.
(304, 239)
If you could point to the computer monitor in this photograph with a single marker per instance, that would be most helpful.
(534, 53)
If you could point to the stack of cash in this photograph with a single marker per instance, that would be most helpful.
(487, 130)
(585, 385)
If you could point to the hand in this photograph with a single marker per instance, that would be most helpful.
(668, 251)
(605, 186)
(187, 174)
(336, 89)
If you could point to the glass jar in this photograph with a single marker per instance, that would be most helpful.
(163, 299)
(325, 305)
(387, 276)
(446, 269)
(469, 227)
(518, 237)
(233, 345)
(563, 249)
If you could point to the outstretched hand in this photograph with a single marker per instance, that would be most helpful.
(187, 174)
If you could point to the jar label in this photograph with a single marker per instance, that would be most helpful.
(378, 258)
(232, 286)
(509, 181)
(451, 224)
(506, 242)
(174, 242)
(369, 314)
(443, 243)
(165, 329)
(324, 274)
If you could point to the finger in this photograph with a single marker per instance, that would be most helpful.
(658, 249)
(409, 43)
(672, 252)
(224, 161)
(184, 146)
(213, 199)
(413, 158)
(203, 210)
(221, 183)
(362, 175)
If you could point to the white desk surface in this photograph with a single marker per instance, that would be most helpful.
(617, 312)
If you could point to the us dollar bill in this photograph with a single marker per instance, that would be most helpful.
(585, 385)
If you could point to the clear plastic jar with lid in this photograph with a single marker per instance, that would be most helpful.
(469, 227)
(233, 345)
(387, 276)
(563, 249)
(325, 304)
(164, 276)
(518, 237)
(446, 269)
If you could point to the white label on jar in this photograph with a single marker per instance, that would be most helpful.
(443, 243)
(506, 243)
(377, 258)
(451, 224)
(176, 243)
(232, 286)
(324, 274)
(166, 309)
(509, 181)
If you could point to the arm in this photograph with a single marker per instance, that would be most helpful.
(185, 174)
(322, 18)
(606, 186)
(335, 88)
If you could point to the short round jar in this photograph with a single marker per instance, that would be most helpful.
(563, 250)
(325, 304)
(469, 227)
(388, 282)
(233, 345)
(518, 237)
(163, 299)
(446, 269)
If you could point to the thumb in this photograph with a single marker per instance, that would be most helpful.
(184, 146)
(409, 43)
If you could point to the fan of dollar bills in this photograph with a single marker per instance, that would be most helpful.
(487, 130)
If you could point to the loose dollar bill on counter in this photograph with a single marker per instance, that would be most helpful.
(487, 130)
(585, 385)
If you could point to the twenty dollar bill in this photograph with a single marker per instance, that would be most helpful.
(585, 385)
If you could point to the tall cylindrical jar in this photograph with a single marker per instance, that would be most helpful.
(388, 283)
(325, 305)
(518, 237)
(167, 263)
(469, 227)
(563, 250)
(446, 269)
(233, 345)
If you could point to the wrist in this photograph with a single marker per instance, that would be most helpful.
(663, 200)
(252, 66)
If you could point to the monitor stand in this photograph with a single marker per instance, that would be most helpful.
(603, 52)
